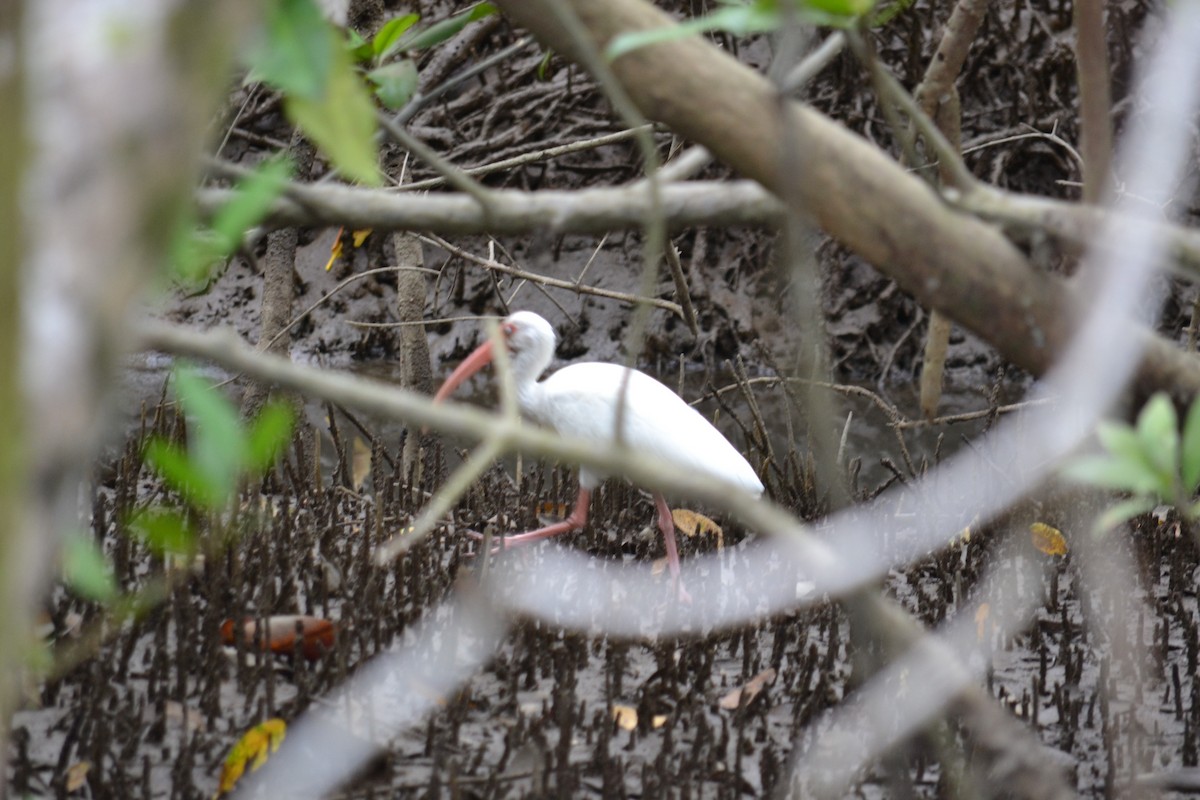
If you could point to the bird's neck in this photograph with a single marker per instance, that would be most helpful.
(531, 397)
(527, 367)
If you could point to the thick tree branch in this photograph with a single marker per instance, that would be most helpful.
(947, 260)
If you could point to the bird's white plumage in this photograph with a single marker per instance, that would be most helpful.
(582, 400)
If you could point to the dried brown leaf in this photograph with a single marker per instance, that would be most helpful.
(749, 691)
(625, 716)
(77, 775)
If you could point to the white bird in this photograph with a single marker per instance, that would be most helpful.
(581, 400)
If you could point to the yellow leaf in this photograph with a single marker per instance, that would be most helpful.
(253, 748)
(1048, 539)
(552, 509)
(692, 523)
(77, 775)
(658, 721)
(981, 616)
(335, 252)
(625, 716)
(753, 686)
(360, 236)
(963, 536)
(360, 462)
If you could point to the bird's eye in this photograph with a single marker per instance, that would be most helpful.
(508, 329)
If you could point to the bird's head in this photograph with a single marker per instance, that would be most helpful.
(530, 341)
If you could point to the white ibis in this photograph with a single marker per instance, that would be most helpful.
(581, 400)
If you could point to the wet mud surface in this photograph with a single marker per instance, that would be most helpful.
(567, 713)
(156, 709)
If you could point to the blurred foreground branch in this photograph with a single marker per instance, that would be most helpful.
(1002, 741)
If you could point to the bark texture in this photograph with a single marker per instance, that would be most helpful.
(416, 371)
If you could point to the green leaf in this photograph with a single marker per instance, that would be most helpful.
(341, 122)
(216, 450)
(439, 32)
(173, 464)
(1158, 431)
(737, 20)
(268, 436)
(194, 255)
(1119, 439)
(194, 252)
(884, 15)
(1116, 473)
(250, 203)
(1122, 512)
(164, 531)
(299, 49)
(1191, 449)
(1126, 446)
(395, 83)
(544, 65)
(841, 8)
(360, 49)
(387, 40)
(86, 570)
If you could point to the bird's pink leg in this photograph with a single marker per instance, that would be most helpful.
(667, 526)
(577, 519)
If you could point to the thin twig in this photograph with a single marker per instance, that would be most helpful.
(419, 100)
(453, 174)
(544, 154)
(896, 418)
(892, 92)
(1052, 136)
(681, 288)
(445, 498)
(545, 280)
(685, 165)
(412, 323)
(813, 63)
(358, 276)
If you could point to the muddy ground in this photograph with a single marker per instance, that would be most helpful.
(154, 712)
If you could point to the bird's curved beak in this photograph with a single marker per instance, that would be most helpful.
(472, 364)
